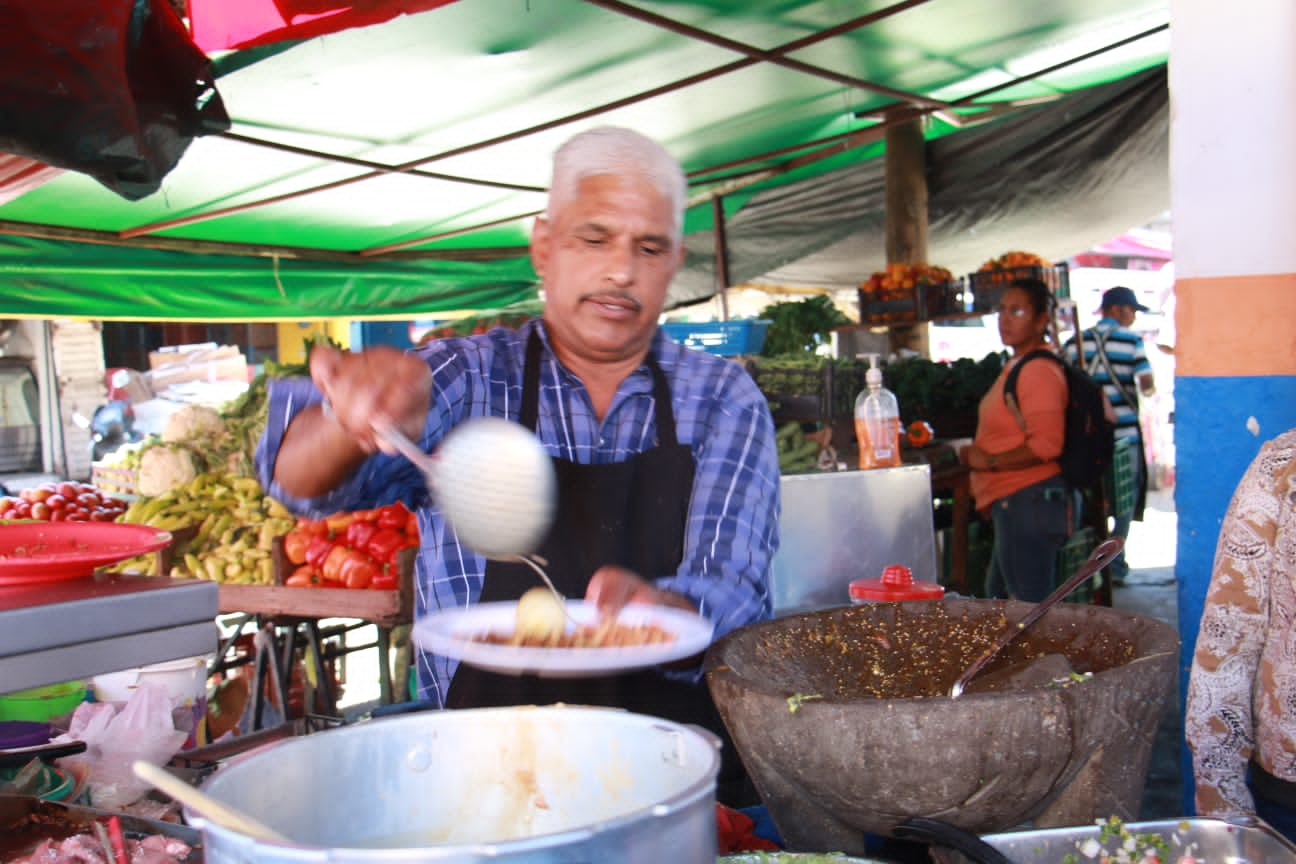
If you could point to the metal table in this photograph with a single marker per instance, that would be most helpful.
(61, 631)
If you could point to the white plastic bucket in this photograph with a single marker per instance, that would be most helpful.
(185, 682)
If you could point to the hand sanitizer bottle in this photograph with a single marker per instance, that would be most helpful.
(877, 422)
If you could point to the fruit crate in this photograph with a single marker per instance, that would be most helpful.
(824, 393)
(726, 338)
(1121, 489)
(987, 286)
(118, 481)
(1069, 559)
(927, 302)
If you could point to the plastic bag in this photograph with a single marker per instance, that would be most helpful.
(141, 729)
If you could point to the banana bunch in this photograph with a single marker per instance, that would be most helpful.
(225, 529)
(796, 452)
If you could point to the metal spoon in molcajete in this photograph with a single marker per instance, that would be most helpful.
(1101, 556)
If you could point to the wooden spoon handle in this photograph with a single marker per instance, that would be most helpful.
(217, 811)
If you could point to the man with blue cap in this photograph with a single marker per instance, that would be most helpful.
(1115, 356)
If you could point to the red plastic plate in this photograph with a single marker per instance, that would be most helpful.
(32, 552)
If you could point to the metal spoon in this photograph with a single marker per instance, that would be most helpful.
(493, 480)
(507, 525)
(1098, 559)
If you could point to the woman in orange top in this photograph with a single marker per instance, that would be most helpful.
(1014, 459)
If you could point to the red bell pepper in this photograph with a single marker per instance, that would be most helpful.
(411, 526)
(317, 550)
(384, 545)
(331, 569)
(303, 577)
(338, 522)
(393, 516)
(358, 571)
(295, 544)
(358, 534)
(386, 580)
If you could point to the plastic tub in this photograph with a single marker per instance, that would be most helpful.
(42, 704)
(185, 682)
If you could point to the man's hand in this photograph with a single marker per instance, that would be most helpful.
(381, 385)
(612, 588)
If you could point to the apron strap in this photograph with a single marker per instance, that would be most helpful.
(663, 412)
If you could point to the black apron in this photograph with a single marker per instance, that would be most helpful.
(630, 513)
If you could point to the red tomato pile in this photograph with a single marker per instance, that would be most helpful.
(351, 550)
(63, 502)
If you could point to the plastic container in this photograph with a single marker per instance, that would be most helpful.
(877, 422)
(896, 585)
(43, 704)
(185, 682)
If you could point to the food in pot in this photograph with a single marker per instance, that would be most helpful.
(1116, 844)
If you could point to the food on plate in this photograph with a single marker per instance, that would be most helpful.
(604, 633)
(540, 616)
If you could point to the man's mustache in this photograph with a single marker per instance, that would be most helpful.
(599, 296)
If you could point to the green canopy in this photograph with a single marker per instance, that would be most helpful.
(394, 170)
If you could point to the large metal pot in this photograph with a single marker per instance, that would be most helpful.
(552, 785)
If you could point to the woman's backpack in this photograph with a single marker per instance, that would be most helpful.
(1089, 433)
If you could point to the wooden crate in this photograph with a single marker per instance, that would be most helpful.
(384, 608)
(114, 480)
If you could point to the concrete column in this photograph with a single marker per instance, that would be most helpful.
(1233, 199)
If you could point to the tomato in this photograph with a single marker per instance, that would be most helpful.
(7, 504)
(40, 510)
(21, 510)
(919, 433)
(56, 502)
(89, 499)
(40, 493)
(58, 516)
(100, 514)
(68, 490)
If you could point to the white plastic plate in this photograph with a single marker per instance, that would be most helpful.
(450, 633)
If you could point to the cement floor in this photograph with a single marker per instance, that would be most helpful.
(1150, 590)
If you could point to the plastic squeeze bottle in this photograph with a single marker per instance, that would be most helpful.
(877, 421)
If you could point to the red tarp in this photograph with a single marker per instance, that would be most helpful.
(112, 89)
(220, 25)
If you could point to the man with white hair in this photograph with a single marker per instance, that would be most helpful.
(665, 456)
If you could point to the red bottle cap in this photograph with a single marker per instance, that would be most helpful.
(897, 583)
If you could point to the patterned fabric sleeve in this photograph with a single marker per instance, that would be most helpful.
(1218, 723)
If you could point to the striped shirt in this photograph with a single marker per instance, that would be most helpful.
(732, 529)
(1128, 360)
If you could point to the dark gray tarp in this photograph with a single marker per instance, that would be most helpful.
(1053, 179)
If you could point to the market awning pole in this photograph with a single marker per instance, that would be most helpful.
(906, 215)
(721, 256)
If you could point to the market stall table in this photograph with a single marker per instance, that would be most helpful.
(74, 629)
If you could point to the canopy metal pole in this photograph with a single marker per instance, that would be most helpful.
(721, 256)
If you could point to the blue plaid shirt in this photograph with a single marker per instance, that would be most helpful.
(732, 529)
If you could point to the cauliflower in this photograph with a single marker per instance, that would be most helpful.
(197, 424)
(163, 468)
